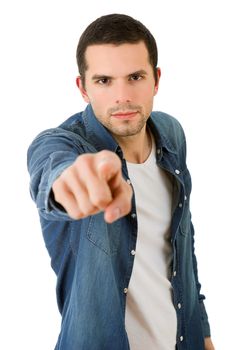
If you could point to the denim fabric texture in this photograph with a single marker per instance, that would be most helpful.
(92, 259)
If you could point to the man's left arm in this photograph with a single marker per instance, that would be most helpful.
(205, 323)
(208, 344)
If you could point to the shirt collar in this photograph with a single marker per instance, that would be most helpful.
(160, 133)
(98, 134)
(102, 138)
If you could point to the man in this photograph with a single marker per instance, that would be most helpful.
(112, 189)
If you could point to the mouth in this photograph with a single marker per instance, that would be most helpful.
(124, 115)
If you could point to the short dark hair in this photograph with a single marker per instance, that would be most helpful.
(115, 29)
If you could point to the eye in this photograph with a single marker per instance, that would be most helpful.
(103, 81)
(136, 77)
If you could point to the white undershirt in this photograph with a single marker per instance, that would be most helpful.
(151, 322)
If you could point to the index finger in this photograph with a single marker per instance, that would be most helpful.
(108, 165)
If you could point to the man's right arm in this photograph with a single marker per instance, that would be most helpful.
(83, 184)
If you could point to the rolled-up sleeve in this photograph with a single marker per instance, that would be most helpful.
(204, 316)
(49, 154)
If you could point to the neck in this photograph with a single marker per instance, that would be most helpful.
(136, 148)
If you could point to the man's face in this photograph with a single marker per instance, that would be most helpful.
(120, 86)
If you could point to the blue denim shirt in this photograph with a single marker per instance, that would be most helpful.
(92, 259)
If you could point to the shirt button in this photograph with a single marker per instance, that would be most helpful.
(125, 290)
(177, 171)
(158, 151)
(185, 198)
(128, 181)
(180, 205)
(132, 252)
(174, 273)
(181, 338)
(133, 216)
(179, 306)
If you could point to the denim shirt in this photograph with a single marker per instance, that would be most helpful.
(92, 259)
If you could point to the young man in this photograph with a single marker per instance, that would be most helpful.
(112, 189)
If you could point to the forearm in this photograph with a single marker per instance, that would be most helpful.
(208, 344)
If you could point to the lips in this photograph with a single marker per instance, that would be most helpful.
(124, 115)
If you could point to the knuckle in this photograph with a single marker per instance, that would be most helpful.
(83, 161)
(84, 158)
(58, 192)
(73, 210)
(66, 172)
(76, 215)
(87, 210)
(105, 153)
(99, 201)
(109, 155)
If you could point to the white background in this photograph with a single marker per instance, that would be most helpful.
(37, 81)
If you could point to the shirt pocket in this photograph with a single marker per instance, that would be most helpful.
(103, 235)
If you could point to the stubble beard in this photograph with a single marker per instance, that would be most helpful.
(124, 128)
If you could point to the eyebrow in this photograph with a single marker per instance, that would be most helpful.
(103, 76)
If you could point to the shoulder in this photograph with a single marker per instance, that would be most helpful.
(168, 129)
(166, 123)
(70, 132)
(71, 126)
(75, 120)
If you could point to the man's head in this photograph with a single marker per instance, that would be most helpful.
(115, 29)
(117, 58)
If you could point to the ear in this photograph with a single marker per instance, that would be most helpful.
(82, 90)
(158, 78)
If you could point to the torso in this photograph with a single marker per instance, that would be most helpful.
(150, 315)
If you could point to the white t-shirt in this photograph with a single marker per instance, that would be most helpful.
(151, 321)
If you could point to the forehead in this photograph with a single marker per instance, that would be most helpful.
(105, 58)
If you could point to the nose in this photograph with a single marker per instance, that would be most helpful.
(123, 93)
